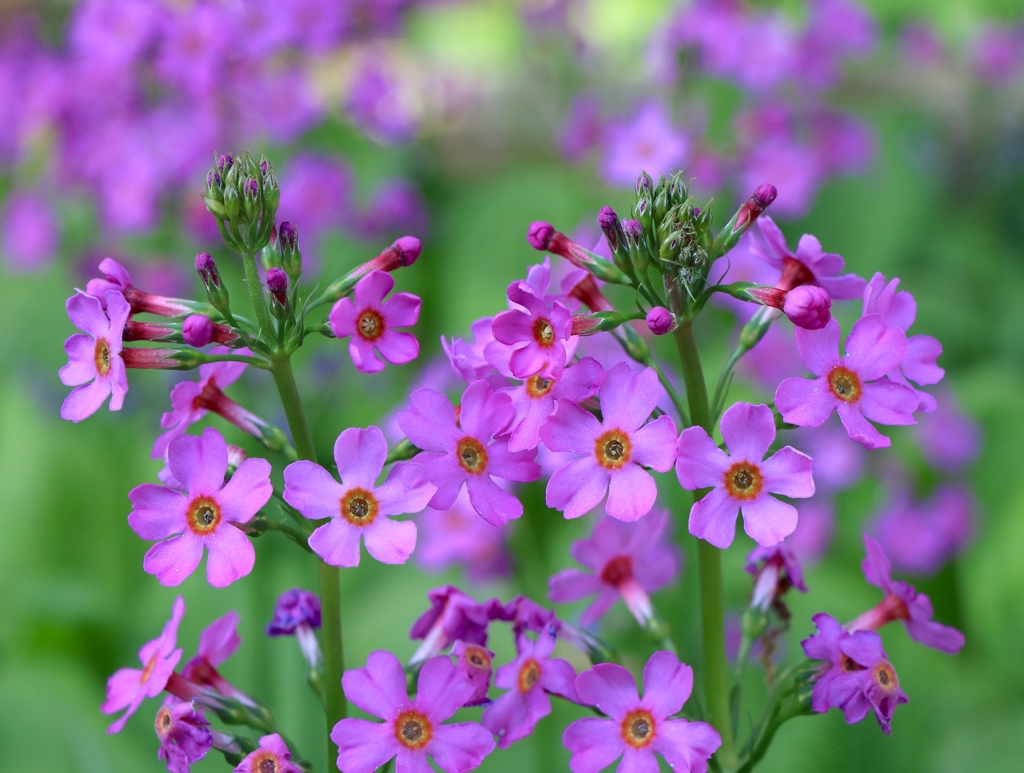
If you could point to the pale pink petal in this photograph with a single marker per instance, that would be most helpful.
(774, 240)
(409, 761)
(86, 313)
(570, 585)
(118, 377)
(631, 493)
(577, 487)
(819, 349)
(484, 411)
(398, 348)
(175, 559)
(220, 639)
(667, 684)
(81, 367)
(85, 400)
(609, 687)
(628, 398)
(337, 542)
(714, 518)
(199, 463)
(805, 402)
(445, 472)
(380, 687)
(494, 504)
(699, 463)
(363, 746)
(248, 490)
(768, 520)
(597, 609)
(748, 431)
(788, 472)
(571, 428)
(638, 761)
(876, 567)
(461, 746)
(595, 744)
(442, 689)
(390, 542)
(311, 490)
(360, 455)
(686, 745)
(406, 490)
(888, 403)
(511, 327)
(860, 429)
(919, 364)
(157, 511)
(842, 288)
(231, 556)
(873, 349)
(654, 445)
(429, 422)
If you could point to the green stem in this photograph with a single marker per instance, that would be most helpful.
(259, 306)
(330, 577)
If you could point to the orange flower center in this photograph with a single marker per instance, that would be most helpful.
(478, 657)
(744, 480)
(413, 730)
(203, 516)
(359, 507)
(264, 762)
(370, 325)
(472, 455)
(885, 677)
(101, 356)
(543, 333)
(638, 728)
(845, 384)
(537, 386)
(613, 449)
(528, 675)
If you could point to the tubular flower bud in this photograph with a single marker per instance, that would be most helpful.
(277, 283)
(660, 321)
(589, 294)
(808, 307)
(611, 228)
(207, 268)
(402, 253)
(762, 197)
(197, 330)
(543, 237)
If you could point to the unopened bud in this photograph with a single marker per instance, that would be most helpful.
(644, 184)
(288, 246)
(207, 268)
(197, 330)
(608, 221)
(660, 321)
(277, 283)
(744, 218)
(808, 306)
(539, 235)
(408, 249)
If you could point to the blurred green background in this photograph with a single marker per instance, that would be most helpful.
(940, 208)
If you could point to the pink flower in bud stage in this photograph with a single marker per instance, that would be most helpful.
(95, 367)
(372, 323)
(128, 687)
(357, 508)
(614, 449)
(902, 602)
(638, 728)
(412, 728)
(184, 737)
(859, 678)
(204, 517)
(808, 307)
(627, 559)
(808, 266)
(851, 385)
(466, 452)
(529, 679)
(272, 756)
(542, 330)
(117, 279)
(742, 480)
(197, 330)
(660, 320)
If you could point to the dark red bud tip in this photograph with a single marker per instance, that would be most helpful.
(634, 229)
(205, 262)
(277, 280)
(765, 194)
(539, 235)
(659, 320)
(607, 218)
(408, 249)
(197, 330)
(288, 235)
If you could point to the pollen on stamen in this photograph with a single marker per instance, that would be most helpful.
(413, 730)
(478, 657)
(370, 325)
(101, 355)
(885, 676)
(203, 515)
(845, 384)
(359, 507)
(613, 449)
(529, 674)
(744, 480)
(638, 728)
(543, 333)
(538, 386)
(472, 455)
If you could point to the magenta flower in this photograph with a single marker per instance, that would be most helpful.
(859, 677)
(273, 755)
(184, 737)
(31, 233)
(902, 602)
(851, 385)
(372, 323)
(614, 450)
(452, 616)
(627, 559)
(949, 438)
(218, 642)
(466, 452)
(117, 279)
(529, 679)
(539, 333)
(648, 142)
(357, 508)
(297, 613)
(776, 570)
(808, 307)
(467, 358)
(206, 516)
(128, 687)
(638, 728)
(809, 266)
(898, 309)
(95, 367)
(476, 662)
(743, 479)
(412, 728)
(458, 536)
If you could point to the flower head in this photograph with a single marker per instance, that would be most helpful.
(372, 323)
(808, 266)
(742, 480)
(452, 616)
(272, 757)
(412, 728)
(539, 333)
(294, 608)
(638, 728)
(205, 516)
(357, 508)
(648, 142)
(95, 367)
(128, 687)
(184, 737)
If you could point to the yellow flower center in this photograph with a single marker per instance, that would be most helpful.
(359, 507)
(845, 384)
(537, 386)
(613, 449)
(203, 515)
(744, 481)
(413, 730)
(370, 325)
(472, 455)
(101, 356)
(528, 675)
(638, 728)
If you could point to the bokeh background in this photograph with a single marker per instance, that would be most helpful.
(893, 130)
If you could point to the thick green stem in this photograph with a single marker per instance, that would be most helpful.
(259, 306)
(709, 560)
(330, 577)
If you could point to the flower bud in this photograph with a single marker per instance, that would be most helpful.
(197, 330)
(539, 235)
(277, 283)
(660, 321)
(291, 255)
(746, 215)
(216, 291)
(808, 306)
(407, 249)
(644, 184)
(609, 224)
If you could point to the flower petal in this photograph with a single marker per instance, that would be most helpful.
(379, 688)
(401, 310)
(571, 428)
(85, 400)
(360, 454)
(231, 556)
(460, 746)
(699, 462)
(494, 504)
(667, 684)
(86, 313)
(767, 520)
(81, 367)
(654, 445)
(397, 347)
(577, 487)
(789, 472)
(804, 402)
(199, 463)
(687, 745)
(888, 403)
(311, 490)
(371, 289)
(390, 542)
(337, 542)
(595, 744)
(748, 431)
(819, 349)
(628, 398)
(860, 429)
(714, 518)
(175, 559)
(873, 349)
(157, 511)
(363, 746)
(610, 688)
(631, 493)
(247, 491)
(442, 689)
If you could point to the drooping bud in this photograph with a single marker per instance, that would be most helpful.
(197, 330)
(660, 321)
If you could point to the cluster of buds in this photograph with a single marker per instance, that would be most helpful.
(243, 195)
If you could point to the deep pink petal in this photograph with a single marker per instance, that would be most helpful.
(748, 431)
(390, 542)
(789, 472)
(776, 243)
(220, 639)
(343, 318)
(714, 518)
(360, 455)
(397, 347)
(199, 463)
(175, 559)
(819, 349)
(118, 377)
(558, 677)
(667, 684)
(699, 463)
(686, 745)
(379, 688)
(363, 746)
(86, 313)
(631, 493)
(530, 360)
(363, 356)
(231, 556)
(85, 400)
(484, 411)
(446, 473)
(595, 744)
(512, 327)
(842, 288)
(311, 490)
(768, 520)
(81, 367)
(628, 398)
(638, 761)
(805, 402)
(518, 466)
(494, 504)
(609, 687)
(460, 747)
(873, 349)
(409, 761)
(654, 445)
(876, 567)
(157, 511)
(337, 542)
(247, 491)
(577, 487)
(572, 429)
(429, 422)
(401, 310)
(888, 403)
(442, 689)
(860, 429)
(371, 289)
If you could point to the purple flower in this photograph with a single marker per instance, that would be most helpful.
(920, 537)
(740, 480)
(357, 508)
(206, 516)
(542, 329)
(898, 309)
(459, 536)
(452, 616)
(465, 452)
(808, 266)
(779, 572)
(376, 101)
(128, 687)
(583, 127)
(31, 234)
(371, 323)
(184, 737)
(476, 663)
(95, 367)
(647, 143)
(294, 608)
(638, 728)
(613, 449)
(852, 385)
(859, 677)
(627, 559)
(948, 438)
(902, 602)
(273, 755)
(529, 679)
(412, 728)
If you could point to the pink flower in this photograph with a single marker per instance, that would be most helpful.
(452, 616)
(627, 559)
(638, 728)
(412, 728)
(458, 536)
(95, 367)
(203, 517)
(184, 737)
(466, 452)
(743, 479)
(614, 451)
(529, 679)
(648, 142)
(852, 385)
(218, 642)
(542, 331)
(809, 266)
(476, 662)
(117, 279)
(371, 323)
(357, 508)
(273, 755)
(128, 687)
(808, 307)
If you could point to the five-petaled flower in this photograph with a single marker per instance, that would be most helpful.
(372, 323)
(95, 368)
(539, 333)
